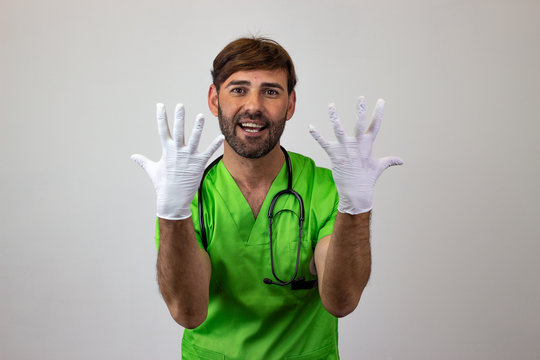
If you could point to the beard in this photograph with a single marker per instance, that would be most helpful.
(251, 148)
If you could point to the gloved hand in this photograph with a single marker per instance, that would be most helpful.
(176, 176)
(354, 169)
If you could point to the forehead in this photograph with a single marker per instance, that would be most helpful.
(257, 77)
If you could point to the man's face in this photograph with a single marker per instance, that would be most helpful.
(252, 107)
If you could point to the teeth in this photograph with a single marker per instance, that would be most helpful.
(252, 125)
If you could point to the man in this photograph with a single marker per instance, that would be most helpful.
(264, 277)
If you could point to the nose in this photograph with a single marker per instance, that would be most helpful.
(253, 104)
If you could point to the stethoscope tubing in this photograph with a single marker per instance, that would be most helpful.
(288, 191)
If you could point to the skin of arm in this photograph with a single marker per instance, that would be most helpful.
(343, 263)
(343, 259)
(183, 272)
(183, 268)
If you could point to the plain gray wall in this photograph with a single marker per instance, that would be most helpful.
(455, 230)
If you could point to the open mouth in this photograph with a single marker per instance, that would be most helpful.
(252, 127)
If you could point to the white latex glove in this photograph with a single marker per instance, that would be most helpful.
(176, 176)
(354, 169)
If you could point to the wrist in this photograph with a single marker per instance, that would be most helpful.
(354, 207)
(173, 212)
(173, 217)
(353, 210)
(163, 222)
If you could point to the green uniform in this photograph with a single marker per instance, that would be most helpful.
(248, 319)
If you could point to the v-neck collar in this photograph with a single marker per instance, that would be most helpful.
(249, 228)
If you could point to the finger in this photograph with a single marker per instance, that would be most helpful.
(196, 134)
(214, 145)
(360, 117)
(178, 130)
(377, 118)
(334, 119)
(388, 161)
(318, 137)
(163, 125)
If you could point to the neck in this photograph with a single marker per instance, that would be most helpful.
(253, 173)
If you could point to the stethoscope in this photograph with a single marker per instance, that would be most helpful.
(300, 282)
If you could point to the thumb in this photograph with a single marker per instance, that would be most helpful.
(214, 146)
(390, 161)
(149, 167)
(318, 137)
(140, 159)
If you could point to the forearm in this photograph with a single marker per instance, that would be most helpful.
(348, 264)
(183, 272)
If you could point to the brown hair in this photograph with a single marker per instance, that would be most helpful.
(256, 53)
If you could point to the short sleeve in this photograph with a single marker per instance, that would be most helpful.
(328, 226)
(157, 234)
(326, 200)
(195, 218)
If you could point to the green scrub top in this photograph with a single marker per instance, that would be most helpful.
(248, 319)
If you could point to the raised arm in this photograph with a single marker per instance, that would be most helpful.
(183, 268)
(343, 259)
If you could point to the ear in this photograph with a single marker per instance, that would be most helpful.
(291, 105)
(213, 100)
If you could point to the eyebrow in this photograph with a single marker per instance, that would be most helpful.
(248, 83)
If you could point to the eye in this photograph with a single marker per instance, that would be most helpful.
(238, 90)
(271, 92)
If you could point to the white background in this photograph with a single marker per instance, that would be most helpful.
(455, 230)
